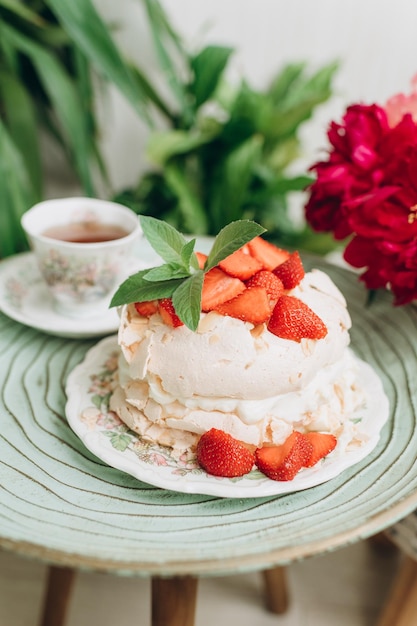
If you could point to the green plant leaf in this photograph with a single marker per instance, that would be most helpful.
(166, 144)
(231, 238)
(192, 212)
(137, 289)
(188, 256)
(208, 66)
(187, 300)
(161, 32)
(15, 196)
(22, 126)
(246, 111)
(283, 82)
(151, 93)
(88, 30)
(164, 239)
(299, 103)
(233, 180)
(315, 88)
(166, 272)
(163, 281)
(64, 98)
(86, 92)
(23, 11)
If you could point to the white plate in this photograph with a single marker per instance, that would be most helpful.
(25, 298)
(88, 390)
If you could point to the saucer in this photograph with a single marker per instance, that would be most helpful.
(25, 298)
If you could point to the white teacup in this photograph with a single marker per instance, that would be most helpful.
(82, 246)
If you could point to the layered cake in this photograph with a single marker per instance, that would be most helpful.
(269, 361)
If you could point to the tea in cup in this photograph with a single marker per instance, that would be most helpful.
(82, 247)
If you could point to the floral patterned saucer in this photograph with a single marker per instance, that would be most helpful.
(89, 387)
(25, 298)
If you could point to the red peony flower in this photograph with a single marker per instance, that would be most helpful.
(366, 192)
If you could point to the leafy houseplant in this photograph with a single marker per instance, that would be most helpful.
(225, 150)
(215, 166)
(45, 88)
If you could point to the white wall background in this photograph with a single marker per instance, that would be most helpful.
(374, 40)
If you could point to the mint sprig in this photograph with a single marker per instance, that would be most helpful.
(179, 277)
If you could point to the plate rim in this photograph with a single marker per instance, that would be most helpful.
(243, 487)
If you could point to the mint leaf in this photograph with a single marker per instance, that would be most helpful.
(137, 289)
(164, 239)
(231, 238)
(166, 272)
(188, 256)
(180, 277)
(187, 300)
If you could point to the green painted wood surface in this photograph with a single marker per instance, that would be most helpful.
(61, 504)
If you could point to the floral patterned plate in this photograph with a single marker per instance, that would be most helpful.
(89, 387)
(25, 298)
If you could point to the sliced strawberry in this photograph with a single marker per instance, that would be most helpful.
(240, 264)
(220, 454)
(266, 253)
(322, 445)
(167, 312)
(147, 308)
(293, 319)
(283, 462)
(219, 287)
(202, 258)
(268, 281)
(291, 272)
(252, 305)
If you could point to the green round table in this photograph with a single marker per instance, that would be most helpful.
(62, 505)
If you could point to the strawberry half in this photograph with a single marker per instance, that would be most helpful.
(291, 272)
(201, 258)
(283, 462)
(322, 445)
(240, 264)
(167, 312)
(220, 454)
(268, 281)
(266, 253)
(252, 305)
(219, 287)
(147, 308)
(293, 319)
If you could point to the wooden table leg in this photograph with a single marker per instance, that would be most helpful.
(276, 594)
(400, 607)
(174, 601)
(57, 595)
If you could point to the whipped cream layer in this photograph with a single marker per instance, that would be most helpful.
(175, 384)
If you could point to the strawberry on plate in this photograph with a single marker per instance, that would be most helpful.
(270, 282)
(283, 462)
(220, 454)
(252, 305)
(240, 264)
(293, 319)
(291, 272)
(201, 258)
(322, 445)
(147, 308)
(266, 253)
(219, 287)
(167, 312)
